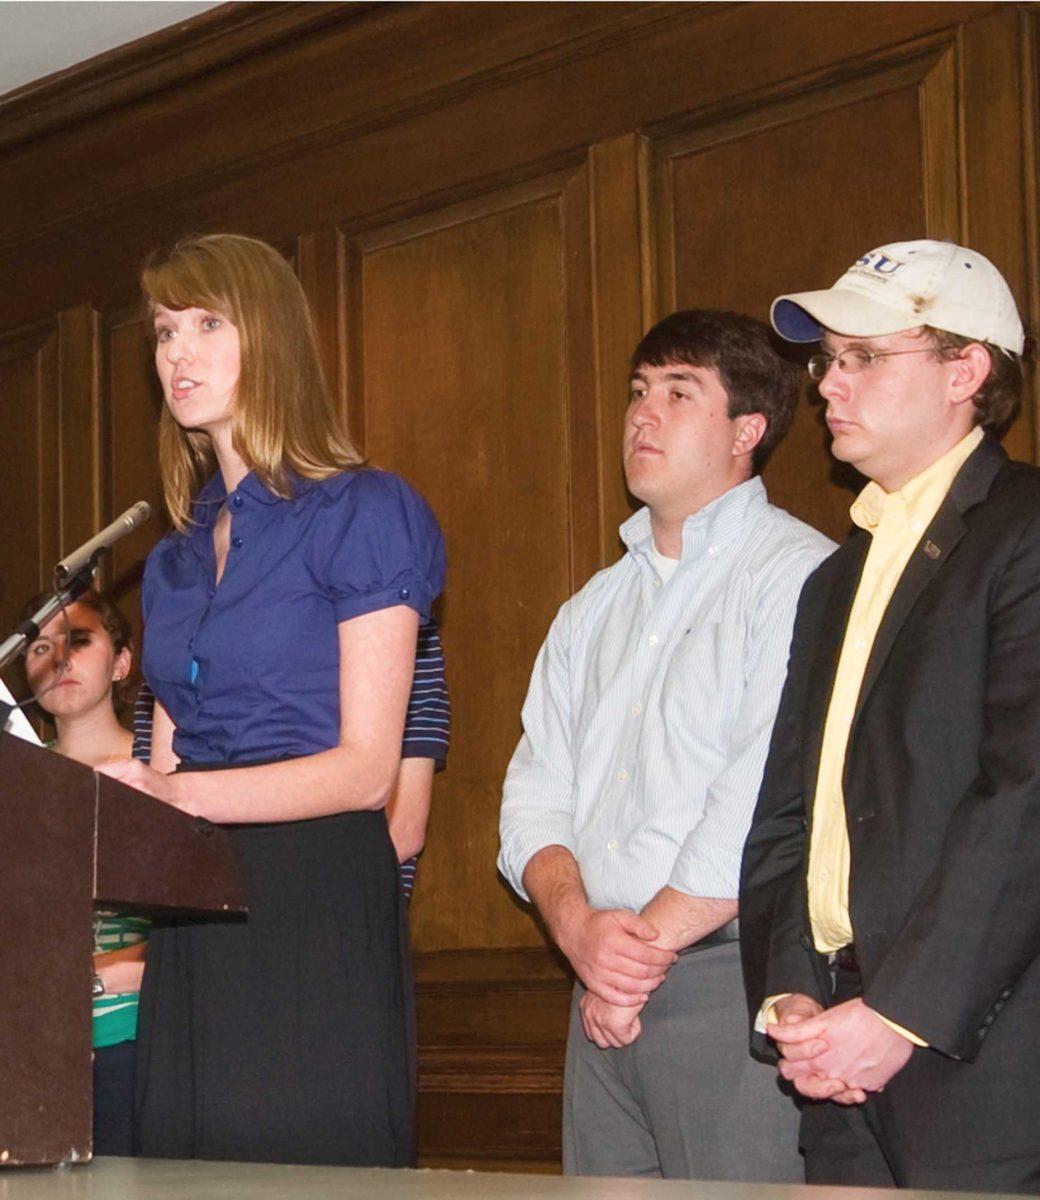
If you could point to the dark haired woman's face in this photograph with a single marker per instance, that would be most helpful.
(198, 357)
(81, 658)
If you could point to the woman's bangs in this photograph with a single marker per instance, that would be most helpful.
(184, 282)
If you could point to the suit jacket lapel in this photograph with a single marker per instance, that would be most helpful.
(971, 485)
(830, 621)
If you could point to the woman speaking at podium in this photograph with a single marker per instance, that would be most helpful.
(280, 634)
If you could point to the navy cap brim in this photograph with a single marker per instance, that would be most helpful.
(793, 323)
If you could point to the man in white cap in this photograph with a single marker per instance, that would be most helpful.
(890, 886)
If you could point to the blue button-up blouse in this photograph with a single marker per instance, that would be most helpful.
(248, 669)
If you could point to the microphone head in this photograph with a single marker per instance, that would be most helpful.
(138, 513)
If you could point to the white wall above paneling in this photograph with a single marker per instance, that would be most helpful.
(40, 37)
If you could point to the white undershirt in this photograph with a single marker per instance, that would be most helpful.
(662, 564)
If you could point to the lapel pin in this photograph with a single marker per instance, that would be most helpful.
(931, 549)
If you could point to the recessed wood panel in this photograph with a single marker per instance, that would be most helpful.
(134, 402)
(80, 426)
(30, 470)
(460, 324)
(788, 208)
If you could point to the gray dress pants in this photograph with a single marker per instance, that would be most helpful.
(686, 1100)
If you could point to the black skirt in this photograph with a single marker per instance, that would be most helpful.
(288, 1036)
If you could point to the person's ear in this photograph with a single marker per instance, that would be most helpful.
(751, 429)
(121, 667)
(969, 370)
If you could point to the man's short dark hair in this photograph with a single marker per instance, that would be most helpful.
(999, 400)
(741, 350)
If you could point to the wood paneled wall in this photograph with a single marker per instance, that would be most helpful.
(487, 204)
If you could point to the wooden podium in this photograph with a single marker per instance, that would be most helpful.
(72, 841)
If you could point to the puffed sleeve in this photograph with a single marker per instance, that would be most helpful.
(381, 545)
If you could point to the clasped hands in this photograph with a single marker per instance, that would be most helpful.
(839, 1053)
(612, 953)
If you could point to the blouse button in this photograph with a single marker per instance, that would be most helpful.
(404, 593)
(237, 501)
(237, 543)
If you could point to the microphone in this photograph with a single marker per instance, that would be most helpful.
(88, 554)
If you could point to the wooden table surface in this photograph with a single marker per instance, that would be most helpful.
(154, 1179)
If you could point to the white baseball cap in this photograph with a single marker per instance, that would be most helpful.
(905, 285)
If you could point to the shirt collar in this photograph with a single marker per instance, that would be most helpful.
(207, 502)
(714, 525)
(921, 497)
(213, 493)
(255, 490)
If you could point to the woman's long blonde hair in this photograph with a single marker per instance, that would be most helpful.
(284, 418)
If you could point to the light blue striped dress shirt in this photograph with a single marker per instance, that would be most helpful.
(648, 718)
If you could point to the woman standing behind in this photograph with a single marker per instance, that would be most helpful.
(77, 668)
(280, 634)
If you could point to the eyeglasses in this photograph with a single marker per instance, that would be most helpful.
(851, 362)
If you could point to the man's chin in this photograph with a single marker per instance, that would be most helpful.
(640, 481)
(844, 448)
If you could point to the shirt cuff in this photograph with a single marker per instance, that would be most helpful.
(910, 1037)
(708, 878)
(519, 848)
(410, 592)
(767, 1013)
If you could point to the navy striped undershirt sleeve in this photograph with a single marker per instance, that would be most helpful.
(144, 707)
(427, 724)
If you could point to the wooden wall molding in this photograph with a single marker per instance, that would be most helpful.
(492, 1036)
(80, 425)
(68, 433)
(171, 57)
(779, 104)
(22, 339)
(927, 64)
(483, 1070)
(247, 33)
(30, 407)
(526, 45)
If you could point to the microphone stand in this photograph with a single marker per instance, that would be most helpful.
(29, 629)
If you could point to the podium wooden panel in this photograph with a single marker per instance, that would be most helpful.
(71, 839)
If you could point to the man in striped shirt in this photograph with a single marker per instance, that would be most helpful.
(645, 731)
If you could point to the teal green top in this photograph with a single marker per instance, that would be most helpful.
(115, 1016)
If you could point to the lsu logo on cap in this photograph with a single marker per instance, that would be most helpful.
(874, 262)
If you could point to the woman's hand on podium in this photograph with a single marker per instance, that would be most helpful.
(138, 775)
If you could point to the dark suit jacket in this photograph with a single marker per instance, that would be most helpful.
(942, 797)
